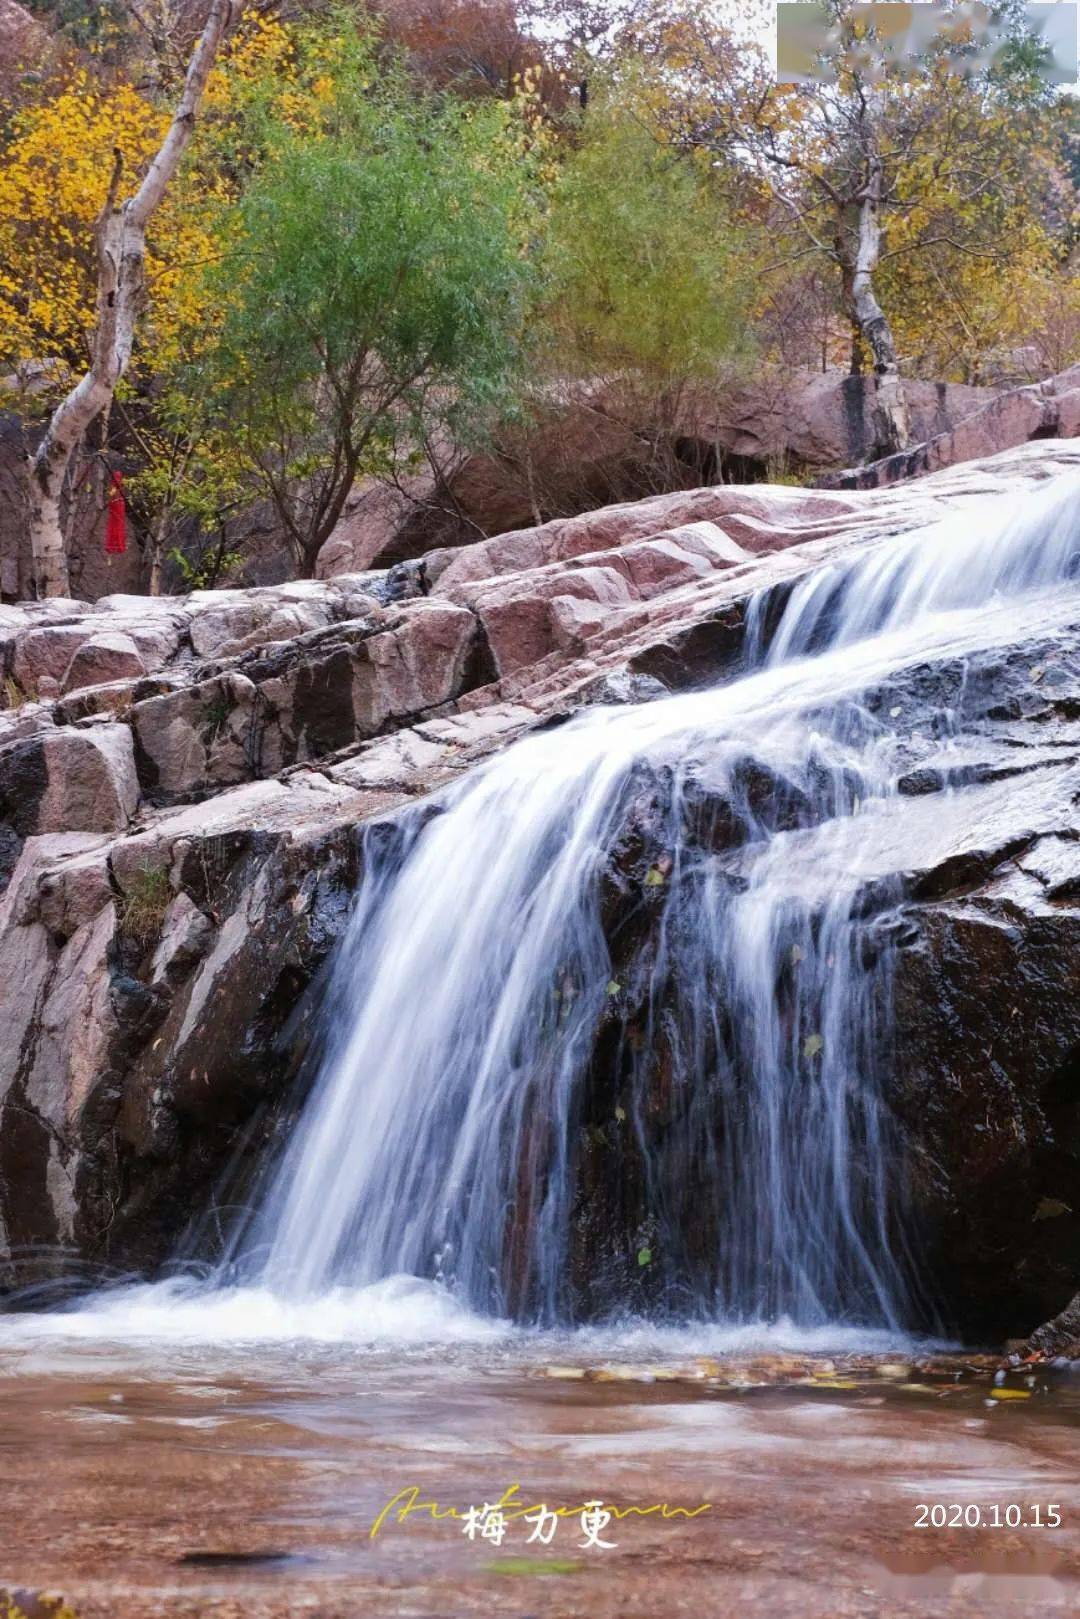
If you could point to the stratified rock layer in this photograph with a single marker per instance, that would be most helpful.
(181, 782)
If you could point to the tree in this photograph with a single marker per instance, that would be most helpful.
(373, 296)
(120, 241)
(583, 36)
(647, 272)
(60, 151)
(879, 159)
(472, 47)
(648, 288)
(649, 284)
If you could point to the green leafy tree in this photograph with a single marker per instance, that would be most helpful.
(647, 301)
(372, 297)
(647, 272)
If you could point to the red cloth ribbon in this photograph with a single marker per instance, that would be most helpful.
(116, 518)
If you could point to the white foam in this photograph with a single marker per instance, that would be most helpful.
(411, 1313)
(399, 1310)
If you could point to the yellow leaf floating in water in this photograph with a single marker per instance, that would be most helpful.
(654, 877)
(1010, 1394)
(1050, 1208)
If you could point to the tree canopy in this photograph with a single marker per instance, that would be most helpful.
(398, 233)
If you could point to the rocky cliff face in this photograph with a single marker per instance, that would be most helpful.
(596, 447)
(181, 782)
(1049, 409)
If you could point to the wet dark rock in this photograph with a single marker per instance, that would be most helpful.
(917, 782)
(985, 1079)
(695, 656)
(1057, 1341)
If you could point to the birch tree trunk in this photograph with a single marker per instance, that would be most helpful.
(121, 252)
(157, 547)
(892, 424)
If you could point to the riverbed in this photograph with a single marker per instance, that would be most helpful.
(787, 1474)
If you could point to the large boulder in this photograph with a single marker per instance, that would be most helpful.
(588, 451)
(1056, 1340)
(820, 420)
(1049, 409)
(69, 779)
(102, 658)
(183, 853)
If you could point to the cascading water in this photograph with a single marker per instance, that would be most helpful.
(609, 1025)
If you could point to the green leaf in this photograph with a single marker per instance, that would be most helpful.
(813, 1045)
(644, 1256)
(620, 1114)
(613, 987)
(654, 878)
(532, 1565)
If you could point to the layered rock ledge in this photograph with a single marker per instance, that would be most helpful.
(181, 782)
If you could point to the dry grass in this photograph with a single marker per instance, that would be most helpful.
(143, 908)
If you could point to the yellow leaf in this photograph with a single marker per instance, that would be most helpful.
(1050, 1208)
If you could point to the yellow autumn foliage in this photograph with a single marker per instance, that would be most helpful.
(55, 166)
(53, 183)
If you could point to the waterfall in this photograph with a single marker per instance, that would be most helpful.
(611, 1018)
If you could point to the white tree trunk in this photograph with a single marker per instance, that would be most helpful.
(892, 423)
(121, 251)
(157, 547)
